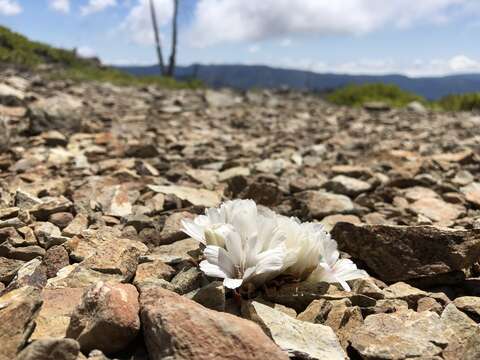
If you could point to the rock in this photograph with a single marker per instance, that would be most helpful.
(386, 306)
(151, 271)
(233, 172)
(437, 210)
(330, 221)
(76, 226)
(32, 273)
(401, 335)
(403, 291)
(219, 99)
(24, 253)
(77, 276)
(61, 219)
(344, 320)
(85, 245)
(117, 200)
(400, 253)
(18, 310)
(171, 231)
(462, 331)
(417, 107)
(106, 319)
(464, 156)
(10, 96)
(211, 296)
(367, 287)
(263, 193)
(54, 138)
(429, 304)
(48, 235)
(321, 204)
(316, 312)
(198, 197)
(54, 316)
(176, 327)
(51, 349)
(472, 193)
(376, 106)
(187, 280)
(61, 112)
(302, 340)
(50, 206)
(271, 166)
(296, 296)
(8, 269)
(179, 251)
(470, 305)
(56, 258)
(345, 185)
(118, 258)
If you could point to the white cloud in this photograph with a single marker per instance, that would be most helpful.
(94, 6)
(218, 21)
(463, 63)
(86, 51)
(60, 5)
(255, 48)
(417, 67)
(10, 7)
(138, 23)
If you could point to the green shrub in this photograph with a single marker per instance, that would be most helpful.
(18, 50)
(358, 95)
(461, 102)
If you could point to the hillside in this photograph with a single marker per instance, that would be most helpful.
(250, 76)
(21, 52)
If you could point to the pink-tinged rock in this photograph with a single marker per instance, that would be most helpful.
(57, 308)
(177, 328)
(106, 319)
(437, 210)
(18, 309)
(472, 193)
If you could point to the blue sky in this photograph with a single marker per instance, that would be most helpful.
(426, 37)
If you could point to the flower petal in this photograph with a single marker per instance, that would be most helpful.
(212, 270)
(232, 283)
(219, 256)
(270, 261)
(193, 230)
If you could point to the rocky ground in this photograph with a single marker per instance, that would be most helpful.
(94, 180)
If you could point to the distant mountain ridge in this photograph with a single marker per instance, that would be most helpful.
(258, 76)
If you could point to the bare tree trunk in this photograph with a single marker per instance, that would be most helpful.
(173, 54)
(157, 38)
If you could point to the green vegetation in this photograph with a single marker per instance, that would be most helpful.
(358, 95)
(20, 51)
(461, 102)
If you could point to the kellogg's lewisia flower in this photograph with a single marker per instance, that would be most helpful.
(247, 246)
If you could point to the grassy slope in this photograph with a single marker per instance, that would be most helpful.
(357, 95)
(18, 50)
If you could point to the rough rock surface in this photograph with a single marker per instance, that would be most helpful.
(106, 319)
(178, 328)
(18, 310)
(95, 178)
(301, 339)
(398, 253)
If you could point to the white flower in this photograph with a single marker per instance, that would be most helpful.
(252, 257)
(332, 269)
(246, 245)
(304, 242)
(241, 214)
